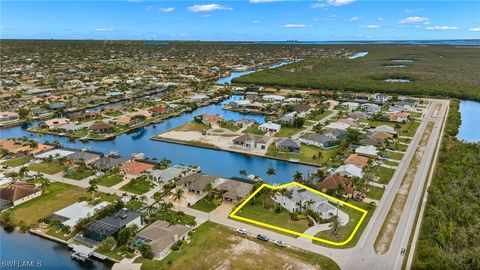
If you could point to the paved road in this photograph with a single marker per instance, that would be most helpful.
(362, 256)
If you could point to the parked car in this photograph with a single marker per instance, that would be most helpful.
(280, 243)
(241, 231)
(403, 252)
(262, 237)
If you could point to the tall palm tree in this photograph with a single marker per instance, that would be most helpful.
(93, 187)
(165, 163)
(271, 172)
(44, 184)
(298, 176)
(243, 172)
(23, 171)
(178, 195)
(143, 198)
(335, 225)
(71, 140)
(209, 190)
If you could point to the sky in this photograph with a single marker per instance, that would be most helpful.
(252, 20)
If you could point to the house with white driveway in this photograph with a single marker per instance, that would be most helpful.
(298, 197)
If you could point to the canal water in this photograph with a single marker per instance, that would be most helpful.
(236, 74)
(27, 251)
(470, 127)
(214, 162)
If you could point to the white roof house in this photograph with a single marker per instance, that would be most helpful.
(349, 170)
(79, 210)
(369, 151)
(299, 196)
(337, 125)
(169, 173)
(350, 105)
(54, 153)
(269, 127)
(385, 128)
(273, 98)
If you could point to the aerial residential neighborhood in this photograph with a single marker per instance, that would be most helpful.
(239, 135)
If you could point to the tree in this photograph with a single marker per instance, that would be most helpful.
(108, 244)
(335, 225)
(146, 251)
(209, 190)
(340, 191)
(23, 171)
(271, 172)
(93, 187)
(123, 236)
(165, 163)
(44, 184)
(243, 172)
(298, 176)
(178, 195)
(71, 140)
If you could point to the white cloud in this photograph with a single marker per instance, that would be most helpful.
(352, 19)
(207, 7)
(380, 19)
(441, 28)
(415, 20)
(264, 1)
(373, 26)
(256, 22)
(332, 3)
(474, 29)
(207, 15)
(295, 25)
(103, 29)
(167, 9)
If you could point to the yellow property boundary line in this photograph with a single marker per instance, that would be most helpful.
(234, 216)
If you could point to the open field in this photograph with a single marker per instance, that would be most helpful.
(138, 186)
(46, 167)
(214, 246)
(192, 126)
(435, 70)
(56, 197)
(16, 162)
(204, 206)
(79, 174)
(109, 180)
(387, 232)
(306, 155)
(287, 132)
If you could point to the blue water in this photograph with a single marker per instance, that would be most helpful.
(44, 254)
(358, 55)
(233, 75)
(469, 129)
(220, 163)
(468, 42)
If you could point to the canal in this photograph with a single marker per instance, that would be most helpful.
(214, 162)
(26, 251)
(469, 129)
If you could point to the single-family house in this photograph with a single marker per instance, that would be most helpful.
(133, 167)
(168, 174)
(288, 145)
(83, 156)
(56, 122)
(110, 225)
(101, 128)
(396, 117)
(8, 116)
(371, 107)
(385, 128)
(70, 215)
(273, 98)
(319, 140)
(197, 182)
(108, 162)
(338, 125)
(367, 151)
(234, 191)
(349, 170)
(270, 127)
(161, 236)
(15, 194)
(357, 160)
(333, 181)
(380, 98)
(350, 106)
(250, 141)
(211, 119)
(299, 197)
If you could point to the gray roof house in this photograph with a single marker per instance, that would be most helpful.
(250, 141)
(161, 236)
(110, 225)
(319, 140)
(197, 182)
(288, 145)
(235, 190)
(169, 173)
(87, 157)
(109, 162)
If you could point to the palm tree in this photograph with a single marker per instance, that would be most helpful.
(143, 198)
(71, 140)
(23, 171)
(93, 187)
(243, 172)
(84, 140)
(134, 197)
(44, 184)
(335, 225)
(271, 172)
(178, 195)
(298, 176)
(209, 190)
(165, 163)
(157, 197)
(56, 144)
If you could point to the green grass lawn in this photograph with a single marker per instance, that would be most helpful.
(385, 174)
(392, 155)
(192, 126)
(138, 186)
(287, 132)
(375, 193)
(319, 117)
(254, 210)
(230, 125)
(345, 231)
(56, 197)
(57, 233)
(17, 162)
(213, 245)
(46, 167)
(110, 179)
(205, 206)
(79, 174)
(306, 154)
(390, 163)
(409, 128)
(254, 130)
(118, 253)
